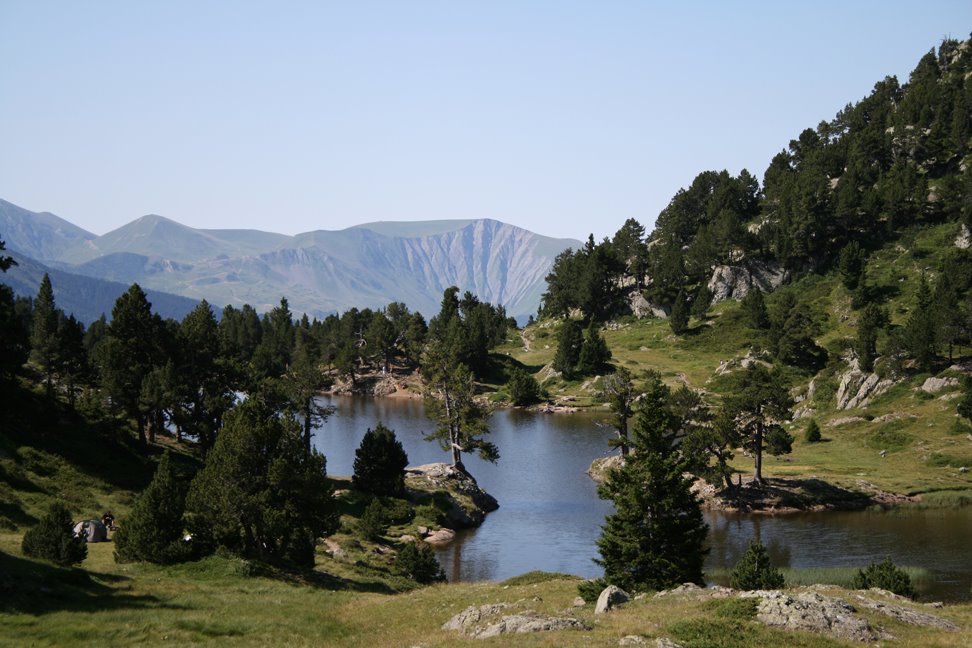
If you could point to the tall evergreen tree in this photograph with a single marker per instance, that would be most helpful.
(569, 343)
(154, 530)
(619, 392)
(655, 538)
(919, 333)
(702, 301)
(871, 320)
(754, 307)
(129, 353)
(759, 404)
(450, 402)
(44, 344)
(594, 354)
(679, 318)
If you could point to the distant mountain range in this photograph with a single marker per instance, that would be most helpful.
(319, 272)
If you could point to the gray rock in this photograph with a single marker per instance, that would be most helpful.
(611, 596)
(733, 281)
(858, 389)
(632, 640)
(578, 602)
(529, 622)
(934, 385)
(813, 612)
(964, 238)
(481, 622)
(468, 503)
(467, 620)
(907, 615)
(665, 642)
(441, 537)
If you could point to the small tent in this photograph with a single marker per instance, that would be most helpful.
(95, 530)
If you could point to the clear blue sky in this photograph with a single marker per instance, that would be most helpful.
(561, 117)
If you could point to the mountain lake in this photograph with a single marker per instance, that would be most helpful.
(550, 516)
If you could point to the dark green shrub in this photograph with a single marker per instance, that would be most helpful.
(53, 538)
(589, 590)
(417, 561)
(373, 522)
(812, 434)
(154, 531)
(754, 571)
(884, 575)
(523, 388)
(379, 463)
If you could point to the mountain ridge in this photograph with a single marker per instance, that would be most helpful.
(319, 272)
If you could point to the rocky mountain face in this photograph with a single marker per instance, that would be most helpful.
(318, 272)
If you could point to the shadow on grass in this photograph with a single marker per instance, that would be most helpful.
(31, 587)
(793, 493)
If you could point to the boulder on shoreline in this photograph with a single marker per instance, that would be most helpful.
(467, 504)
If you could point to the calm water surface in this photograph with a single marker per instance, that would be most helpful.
(550, 515)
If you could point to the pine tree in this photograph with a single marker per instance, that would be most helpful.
(154, 530)
(43, 339)
(679, 318)
(871, 320)
(417, 561)
(812, 433)
(702, 301)
(851, 263)
(759, 404)
(884, 575)
(261, 494)
(594, 353)
(754, 571)
(920, 330)
(379, 463)
(655, 538)
(755, 309)
(569, 343)
(461, 422)
(53, 538)
(523, 387)
(373, 522)
(619, 392)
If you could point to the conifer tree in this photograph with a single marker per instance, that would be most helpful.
(569, 343)
(43, 338)
(417, 561)
(594, 353)
(755, 309)
(812, 433)
(758, 405)
(450, 401)
(154, 530)
(702, 301)
(920, 331)
(53, 538)
(679, 318)
(523, 387)
(655, 538)
(379, 463)
(871, 320)
(619, 392)
(754, 571)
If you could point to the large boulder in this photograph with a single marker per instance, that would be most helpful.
(611, 596)
(934, 385)
(733, 281)
(485, 621)
(813, 612)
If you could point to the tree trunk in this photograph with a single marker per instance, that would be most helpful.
(140, 421)
(307, 426)
(758, 454)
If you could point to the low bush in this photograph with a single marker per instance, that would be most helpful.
(884, 575)
(754, 571)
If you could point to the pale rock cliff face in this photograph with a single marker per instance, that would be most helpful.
(732, 282)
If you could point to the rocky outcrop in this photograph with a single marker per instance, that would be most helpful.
(642, 308)
(441, 537)
(934, 385)
(601, 466)
(733, 281)
(964, 239)
(610, 597)
(468, 503)
(485, 621)
(906, 614)
(858, 388)
(813, 612)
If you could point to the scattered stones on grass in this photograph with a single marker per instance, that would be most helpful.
(484, 621)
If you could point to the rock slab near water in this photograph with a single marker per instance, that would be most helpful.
(813, 612)
(468, 503)
(485, 621)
